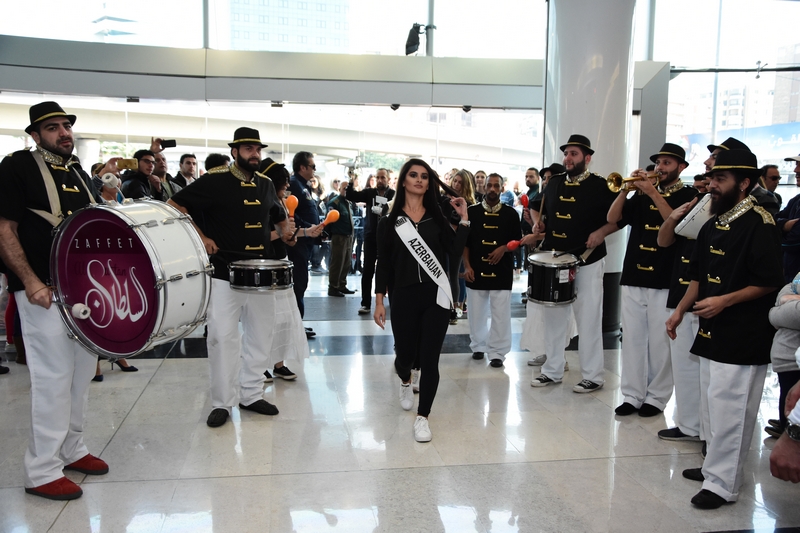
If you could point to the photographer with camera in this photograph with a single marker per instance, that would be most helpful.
(377, 205)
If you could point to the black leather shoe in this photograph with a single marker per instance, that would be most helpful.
(310, 334)
(217, 417)
(705, 499)
(625, 409)
(335, 292)
(4, 369)
(262, 407)
(477, 355)
(496, 363)
(695, 474)
(647, 410)
(346, 291)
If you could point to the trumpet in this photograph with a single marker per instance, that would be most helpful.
(616, 182)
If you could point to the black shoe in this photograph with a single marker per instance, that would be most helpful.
(676, 434)
(335, 292)
(647, 410)
(310, 334)
(346, 291)
(363, 310)
(4, 369)
(773, 432)
(703, 450)
(309, 329)
(268, 377)
(98, 378)
(625, 409)
(695, 474)
(284, 373)
(129, 368)
(496, 363)
(217, 417)
(262, 407)
(705, 499)
(477, 355)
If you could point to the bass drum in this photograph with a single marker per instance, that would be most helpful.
(140, 268)
(552, 279)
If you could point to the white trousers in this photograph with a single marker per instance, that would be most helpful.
(61, 371)
(734, 395)
(646, 375)
(489, 320)
(237, 362)
(588, 309)
(686, 375)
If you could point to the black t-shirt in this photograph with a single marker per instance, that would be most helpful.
(236, 215)
(572, 211)
(487, 232)
(22, 188)
(646, 263)
(727, 258)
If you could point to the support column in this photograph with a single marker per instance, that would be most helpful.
(88, 151)
(588, 90)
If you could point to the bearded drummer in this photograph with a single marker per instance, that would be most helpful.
(646, 377)
(236, 206)
(572, 216)
(40, 188)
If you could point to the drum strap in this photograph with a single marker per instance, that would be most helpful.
(426, 259)
(55, 216)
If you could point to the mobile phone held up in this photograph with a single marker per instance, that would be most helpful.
(169, 143)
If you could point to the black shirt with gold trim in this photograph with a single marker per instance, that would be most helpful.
(488, 231)
(236, 215)
(734, 252)
(22, 188)
(572, 211)
(647, 264)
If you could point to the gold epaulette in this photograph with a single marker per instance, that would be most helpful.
(218, 170)
(765, 216)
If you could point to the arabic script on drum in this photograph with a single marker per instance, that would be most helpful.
(111, 300)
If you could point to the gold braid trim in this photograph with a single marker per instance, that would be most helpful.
(765, 215)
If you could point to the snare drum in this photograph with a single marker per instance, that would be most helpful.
(552, 279)
(695, 219)
(141, 269)
(261, 275)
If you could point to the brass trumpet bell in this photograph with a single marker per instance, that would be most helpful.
(616, 182)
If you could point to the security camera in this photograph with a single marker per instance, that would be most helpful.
(395, 107)
(466, 108)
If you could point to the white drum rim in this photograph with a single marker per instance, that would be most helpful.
(574, 261)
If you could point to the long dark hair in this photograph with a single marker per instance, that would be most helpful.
(432, 198)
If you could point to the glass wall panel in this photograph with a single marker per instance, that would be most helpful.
(173, 24)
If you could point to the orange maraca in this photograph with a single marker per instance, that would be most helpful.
(331, 217)
(512, 245)
(291, 204)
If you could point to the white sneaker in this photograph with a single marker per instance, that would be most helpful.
(537, 361)
(415, 379)
(406, 397)
(422, 432)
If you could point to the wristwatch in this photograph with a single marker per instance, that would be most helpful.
(464, 223)
(793, 430)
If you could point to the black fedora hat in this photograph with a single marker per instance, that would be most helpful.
(246, 136)
(740, 160)
(271, 168)
(45, 110)
(579, 140)
(671, 149)
(729, 144)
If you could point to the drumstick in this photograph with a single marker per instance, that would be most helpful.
(79, 311)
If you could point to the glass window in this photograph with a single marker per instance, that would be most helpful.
(107, 21)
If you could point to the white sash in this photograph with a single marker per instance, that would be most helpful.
(426, 259)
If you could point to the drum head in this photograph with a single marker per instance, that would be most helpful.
(259, 264)
(99, 261)
(549, 259)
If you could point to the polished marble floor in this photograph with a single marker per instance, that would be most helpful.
(340, 456)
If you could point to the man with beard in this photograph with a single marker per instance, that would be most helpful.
(489, 272)
(377, 205)
(164, 188)
(735, 274)
(49, 180)
(786, 220)
(763, 197)
(573, 217)
(646, 377)
(236, 207)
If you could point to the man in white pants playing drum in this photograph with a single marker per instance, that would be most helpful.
(573, 218)
(236, 207)
(50, 180)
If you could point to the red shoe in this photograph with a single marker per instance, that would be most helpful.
(90, 465)
(60, 489)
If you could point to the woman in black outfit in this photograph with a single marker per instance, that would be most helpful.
(419, 324)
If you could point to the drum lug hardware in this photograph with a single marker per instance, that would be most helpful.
(176, 277)
(209, 269)
(148, 224)
(168, 221)
(160, 282)
(192, 273)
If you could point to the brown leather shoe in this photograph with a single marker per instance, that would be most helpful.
(89, 464)
(60, 489)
